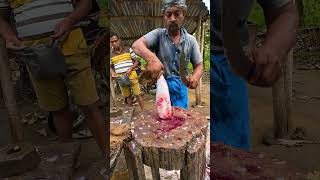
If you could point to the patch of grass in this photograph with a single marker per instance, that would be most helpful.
(311, 13)
(307, 56)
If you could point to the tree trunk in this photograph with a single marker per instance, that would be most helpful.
(300, 8)
(8, 94)
(282, 95)
(198, 89)
(176, 144)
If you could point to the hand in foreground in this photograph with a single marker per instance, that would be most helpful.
(129, 71)
(113, 74)
(267, 66)
(155, 68)
(63, 27)
(13, 43)
(193, 82)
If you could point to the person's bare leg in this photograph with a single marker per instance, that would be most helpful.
(129, 101)
(97, 126)
(140, 102)
(62, 120)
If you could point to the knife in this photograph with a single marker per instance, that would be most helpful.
(238, 60)
(182, 69)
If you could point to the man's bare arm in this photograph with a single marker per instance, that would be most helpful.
(113, 72)
(281, 35)
(282, 26)
(196, 75)
(82, 10)
(7, 32)
(155, 67)
(140, 47)
(135, 64)
(5, 29)
(197, 71)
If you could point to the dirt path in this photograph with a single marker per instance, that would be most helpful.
(305, 114)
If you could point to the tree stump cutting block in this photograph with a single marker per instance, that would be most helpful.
(173, 144)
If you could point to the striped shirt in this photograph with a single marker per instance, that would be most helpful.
(122, 61)
(38, 18)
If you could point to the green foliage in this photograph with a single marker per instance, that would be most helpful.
(311, 12)
(103, 4)
(206, 58)
(257, 17)
(311, 15)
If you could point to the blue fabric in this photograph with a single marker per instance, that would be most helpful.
(178, 92)
(229, 105)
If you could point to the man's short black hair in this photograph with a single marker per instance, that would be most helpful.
(114, 34)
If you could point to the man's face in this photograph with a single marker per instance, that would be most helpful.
(173, 17)
(115, 42)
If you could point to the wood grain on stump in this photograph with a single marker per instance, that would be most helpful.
(118, 133)
(167, 143)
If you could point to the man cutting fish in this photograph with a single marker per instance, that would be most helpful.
(169, 50)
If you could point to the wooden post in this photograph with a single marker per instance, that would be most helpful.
(202, 45)
(282, 98)
(252, 29)
(1, 97)
(8, 94)
(113, 94)
(134, 161)
(198, 89)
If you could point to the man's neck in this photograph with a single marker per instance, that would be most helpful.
(176, 38)
(118, 50)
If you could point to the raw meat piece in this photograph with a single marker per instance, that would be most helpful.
(163, 102)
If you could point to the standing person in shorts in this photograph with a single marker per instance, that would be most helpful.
(123, 63)
(40, 22)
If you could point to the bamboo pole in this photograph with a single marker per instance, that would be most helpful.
(198, 89)
(8, 94)
(282, 100)
(113, 94)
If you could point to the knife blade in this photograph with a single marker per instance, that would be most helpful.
(238, 60)
(182, 69)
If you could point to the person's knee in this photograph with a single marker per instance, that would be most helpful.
(90, 108)
(138, 96)
(61, 111)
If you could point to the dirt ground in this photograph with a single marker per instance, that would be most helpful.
(305, 114)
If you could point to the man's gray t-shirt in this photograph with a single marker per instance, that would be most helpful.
(161, 43)
(246, 5)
